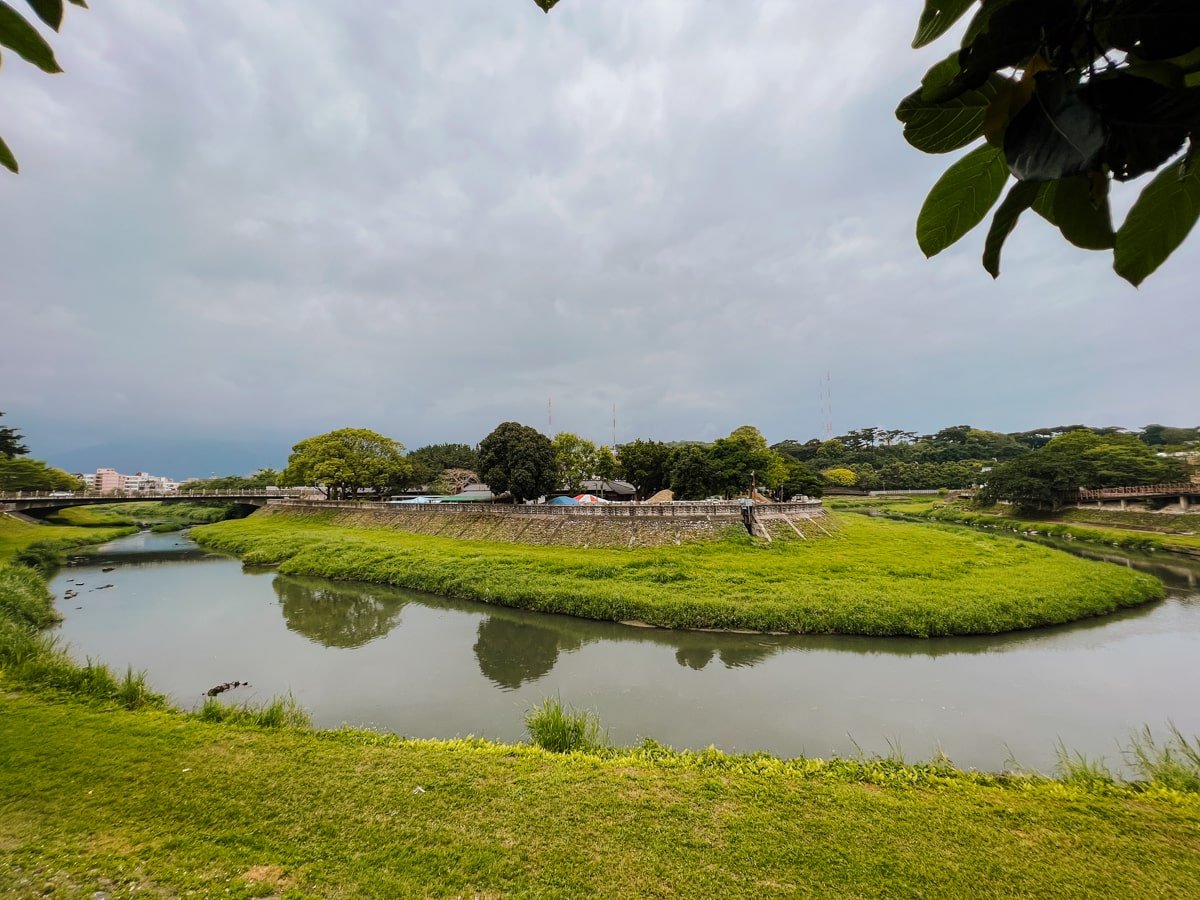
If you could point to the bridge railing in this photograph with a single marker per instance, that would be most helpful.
(721, 510)
(148, 495)
(1140, 490)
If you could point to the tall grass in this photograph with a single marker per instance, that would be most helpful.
(1174, 763)
(282, 712)
(563, 729)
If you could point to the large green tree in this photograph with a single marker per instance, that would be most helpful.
(1049, 477)
(693, 473)
(346, 462)
(429, 462)
(576, 459)
(35, 475)
(10, 442)
(517, 459)
(1065, 96)
(646, 465)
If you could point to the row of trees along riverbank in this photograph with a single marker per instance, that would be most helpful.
(1027, 467)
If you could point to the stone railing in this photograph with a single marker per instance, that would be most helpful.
(682, 510)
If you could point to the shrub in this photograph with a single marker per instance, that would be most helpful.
(561, 729)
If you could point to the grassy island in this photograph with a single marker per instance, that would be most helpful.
(872, 577)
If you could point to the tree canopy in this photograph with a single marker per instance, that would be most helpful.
(1066, 96)
(646, 465)
(518, 459)
(431, 461)
(347, 461)
(10, 442)
(35, 475)
(1049, 477)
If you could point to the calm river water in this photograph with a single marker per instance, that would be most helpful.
(423, 666)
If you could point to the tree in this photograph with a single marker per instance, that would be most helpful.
(575, 460)
(839, 477)
(744, 458)
(693, 475)
(429, 462)
(10, 442)
(35, 475)
(646, 465)
(346, 462)
(260, 479)
(23, 39)
(517, 459)
(799, 479)
(1067, 96)
(1049, 477)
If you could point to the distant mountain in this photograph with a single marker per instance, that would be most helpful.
(176, 458)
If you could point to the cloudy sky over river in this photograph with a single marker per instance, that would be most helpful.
(263, 221)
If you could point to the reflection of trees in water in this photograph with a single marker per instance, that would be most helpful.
(337, 616)
(510, 653)
(694, 657)
(697, 656)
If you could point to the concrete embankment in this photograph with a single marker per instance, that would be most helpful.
(517, 525)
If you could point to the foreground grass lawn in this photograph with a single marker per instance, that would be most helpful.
(873, 577)
(104, 800)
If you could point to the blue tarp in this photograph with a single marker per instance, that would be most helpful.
(563, 501)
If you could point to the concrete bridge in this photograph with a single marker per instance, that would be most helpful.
(1185, 493)
(29, 501)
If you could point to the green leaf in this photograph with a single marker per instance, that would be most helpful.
(49, 11)
(7, 159)
(946, 126)
(546, 5)
(21, 37)
(1043, 204)
(961, 198)
(1019, 199)
(1083, 217)
(1159, 221)
(937, 17)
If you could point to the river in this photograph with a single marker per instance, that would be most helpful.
(423, 666)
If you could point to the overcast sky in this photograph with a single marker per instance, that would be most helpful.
(260, 221)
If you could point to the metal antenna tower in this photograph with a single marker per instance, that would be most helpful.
(826, 394)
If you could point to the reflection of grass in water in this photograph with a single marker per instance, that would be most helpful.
(875, 578)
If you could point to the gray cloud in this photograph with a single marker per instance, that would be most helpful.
(271, 220)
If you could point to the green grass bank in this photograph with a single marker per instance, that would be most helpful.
(1064, 526)
(160, 803)
(873, 577)
(44, 545)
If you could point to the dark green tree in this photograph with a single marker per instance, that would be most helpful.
(10, 442)
(430, 461)
(646, 465)
(693, 474)
(517, 459)
(1066, 96)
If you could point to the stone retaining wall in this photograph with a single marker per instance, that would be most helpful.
(581, 531)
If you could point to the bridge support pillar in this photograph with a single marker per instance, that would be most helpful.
(1124, 504)
(1184, 502)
